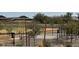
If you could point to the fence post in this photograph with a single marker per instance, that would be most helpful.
(13, 36)
(57, 36)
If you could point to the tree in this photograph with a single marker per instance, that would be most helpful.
(45, 26)
(41, 18)
(35, 31)
(71, 28)
(68, 17)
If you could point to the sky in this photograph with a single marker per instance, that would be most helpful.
(29, 14)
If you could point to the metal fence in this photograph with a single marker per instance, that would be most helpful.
(24, 33)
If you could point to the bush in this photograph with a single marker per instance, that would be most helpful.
(46, 44)
(19, 44)
(68, 44)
